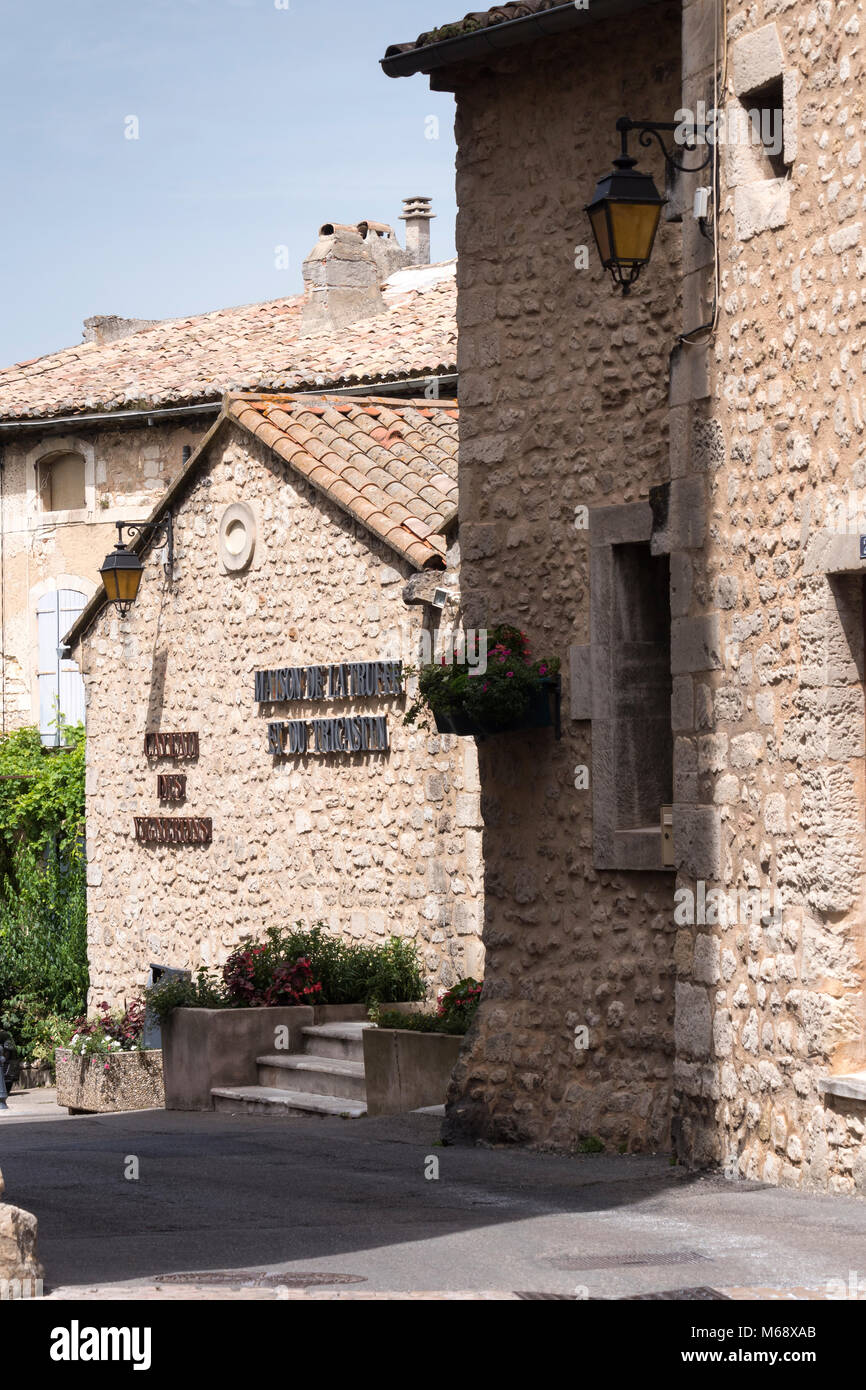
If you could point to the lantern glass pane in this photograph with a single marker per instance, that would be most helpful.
(601, 232)
(634, 227)
(128, 581)
(109, 579)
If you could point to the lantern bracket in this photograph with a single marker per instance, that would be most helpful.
(647, 131)
(155, 531)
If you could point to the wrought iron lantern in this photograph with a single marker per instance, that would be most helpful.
(624, 213)
(122, 570)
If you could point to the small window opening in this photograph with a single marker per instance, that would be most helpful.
(60, 482)
(763, 127)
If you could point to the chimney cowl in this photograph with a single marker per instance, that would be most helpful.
(417, 215)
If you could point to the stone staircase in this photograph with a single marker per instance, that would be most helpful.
(326, 1078)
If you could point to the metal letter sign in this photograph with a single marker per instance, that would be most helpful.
(863, 547)
(181, 746)
(372, 680)
(173, 830)
(171, 786)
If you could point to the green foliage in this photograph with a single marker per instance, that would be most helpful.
(43, 932)
(496, 698)
(43, 905)
(417, 1022)
(41, 796)
(591, 1145)
(109, 1032)
(349, 972)
(204, 990)
(36, 1030)
(459, 1005)
(456, 1010)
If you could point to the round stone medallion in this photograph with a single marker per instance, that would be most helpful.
(237, 537)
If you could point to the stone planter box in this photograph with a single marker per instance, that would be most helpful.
(34, 1074)
(405, 1070)
(206, 1048)
(132, 1081)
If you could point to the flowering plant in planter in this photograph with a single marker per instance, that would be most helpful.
(109, 1032)
(459, 1004)
(510, 693)
(252, 977)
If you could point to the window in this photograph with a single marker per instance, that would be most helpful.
(622, 682)
(764, 132)
(641, 686)
(61, 688)
(60, 482)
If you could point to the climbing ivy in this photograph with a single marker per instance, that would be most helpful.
(43, 899)
(41, 796)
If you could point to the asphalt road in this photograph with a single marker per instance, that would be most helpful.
(350, 1197)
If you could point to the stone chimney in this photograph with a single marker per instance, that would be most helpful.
(417, 216)
(106, 328)
(341, 279)
(382, 244)
(348, 265)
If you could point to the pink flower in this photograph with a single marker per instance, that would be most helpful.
(542, 670)
(509, 673)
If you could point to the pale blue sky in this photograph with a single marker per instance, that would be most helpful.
(256, 124)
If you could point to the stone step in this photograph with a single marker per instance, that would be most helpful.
(340, 1040)
(270, 1100)
(323, 1076)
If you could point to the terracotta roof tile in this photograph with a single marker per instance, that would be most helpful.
(407, 501)
(476, 19)
(258, 347)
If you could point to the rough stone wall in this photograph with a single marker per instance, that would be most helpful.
(372, 845)
(771, 733)
(127, 471)
(563, 405)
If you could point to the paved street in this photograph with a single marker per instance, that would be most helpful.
(349, 1200)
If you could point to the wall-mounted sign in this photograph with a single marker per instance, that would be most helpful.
(346, 681)
(346, 734)
(171, 746)
(173, 830)
(171, 786)
(349, 680)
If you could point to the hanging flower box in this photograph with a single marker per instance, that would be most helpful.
(541, 712)
(502, 694)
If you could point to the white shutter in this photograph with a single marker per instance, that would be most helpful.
(71, 681)
(61, 688)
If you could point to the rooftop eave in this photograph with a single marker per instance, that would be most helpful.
(482, 43)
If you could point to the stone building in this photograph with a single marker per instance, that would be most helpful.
(247, 760)
(666, 490)
(95, 434)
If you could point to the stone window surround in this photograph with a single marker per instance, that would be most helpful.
(590, 687)
(757, 62)
(837, 553)
(61, 444)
